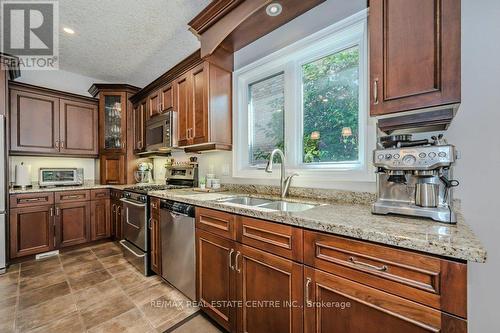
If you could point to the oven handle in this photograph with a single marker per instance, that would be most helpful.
(122, 243)
(132, 203)
(126, 219)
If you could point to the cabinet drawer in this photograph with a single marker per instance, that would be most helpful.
(116, 194)
(219, 223)
(282, 240)
(31, 199)
(436, 282)
(99, 194)
(72, 196)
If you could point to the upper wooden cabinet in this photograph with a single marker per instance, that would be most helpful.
(166, 97)
(139, 125)
(49, 122)
(203, 102)
(414, 54)
(154, 104)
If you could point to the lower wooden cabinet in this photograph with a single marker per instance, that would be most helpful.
(155, 234)
(116, 215)
(100, 222)
(31, 230)
(72, 223)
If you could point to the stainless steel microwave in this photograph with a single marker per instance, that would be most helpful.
(161, 132)
(60, 176)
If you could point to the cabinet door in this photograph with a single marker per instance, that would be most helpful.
(183, 105)
(167, 97)
(335, 304)
(154, 104)
(119, 221)
(155, 245)
(215, 277)
(113, 122)
(34, 122)
(72, 223)
(414, 54)
(78, 128)
(139, 116)
(31, 230)
(199, 131)
(100, 224)
(112, 169)
(275, 285)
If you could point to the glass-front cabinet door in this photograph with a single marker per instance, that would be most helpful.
(113, 121)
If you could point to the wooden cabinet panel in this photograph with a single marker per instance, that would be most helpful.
(183, 104)
(78, 128)
(31, 230)
(167, 97)
(31, 199)
(34, 122)
(282, 240)
(72, 223)
(103, 193)
(112, 169)
(217, 222)
(71, 196)
(199, 128)
(155, 235)
(100, 225)
(116, 217)
(268, 279)
(341, 305)
(414, 54)
(139, 116)
(113, 121)
(154, 104)
(215, 278)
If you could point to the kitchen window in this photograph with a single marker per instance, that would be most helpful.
(310, 100)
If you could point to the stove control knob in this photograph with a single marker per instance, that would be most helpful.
(409, 160)
(380, 157)
(442, 154)
(396, 156)
(142, 198)
(432, 154)
(127, 195)
(388, 156)
(422, 155)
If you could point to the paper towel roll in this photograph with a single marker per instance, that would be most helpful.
(23, 175)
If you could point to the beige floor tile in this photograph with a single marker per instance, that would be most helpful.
(105, 310)
(68, 261)
(121, 268)
(44, 313)
(41, 295)
(45, 280)
(144, 295)
(97, 293)
(103, 252)
(7, 303)
(67, 324)
(164, 313)
(77, 270)
(13, 268)
(88, 280)
(114, 260)
(197, 324)
(75, 253)
(131, 321)
(36, 268)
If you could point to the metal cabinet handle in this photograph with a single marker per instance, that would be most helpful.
(72, 196)
(154, 205)
(31, 200)
(51, 211)
(62, 144)
(375, 91)
(57, 144)
(113, 208)
(308, 282)
(231, 259)
(122, 243)
(382, 268)
(236, 262)
(57, 211)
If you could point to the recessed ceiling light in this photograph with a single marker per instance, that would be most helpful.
(274, 9)
(69, 30)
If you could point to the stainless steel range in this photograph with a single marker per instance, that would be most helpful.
(415, 177)
(136, 242)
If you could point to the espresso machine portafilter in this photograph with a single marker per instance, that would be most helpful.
(416, 180)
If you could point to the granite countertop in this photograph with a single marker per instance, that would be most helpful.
(354, 220)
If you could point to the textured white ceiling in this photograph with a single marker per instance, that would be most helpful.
(126, 41)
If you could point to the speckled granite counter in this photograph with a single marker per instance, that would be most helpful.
(354, 220)
(87, 185)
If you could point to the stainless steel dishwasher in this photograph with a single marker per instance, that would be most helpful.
(178, 246)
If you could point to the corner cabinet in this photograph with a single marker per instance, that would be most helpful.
(116, 132)
(49, 122)
(203, 101)
(414, 54)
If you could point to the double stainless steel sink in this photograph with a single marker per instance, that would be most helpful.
(285, 206)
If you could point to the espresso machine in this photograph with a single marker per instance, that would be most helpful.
(414, 177)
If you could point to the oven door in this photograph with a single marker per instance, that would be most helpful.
(134, 226)
(160, 132)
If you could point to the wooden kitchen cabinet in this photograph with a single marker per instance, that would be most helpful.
(100, 223)
(112, 169)
(139, 117)
(116, 215)
(31, 230)
(275, 281)
(183, 107)
(154, 106)
(72, 223)
(155, 234)
(50, 122)
(216, 277)
(166, 97)
(414, 54)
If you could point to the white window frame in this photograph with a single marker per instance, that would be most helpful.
(347, 33)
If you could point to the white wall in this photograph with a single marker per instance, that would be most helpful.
(475, 132)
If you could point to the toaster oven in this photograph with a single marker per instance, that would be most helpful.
(60, 176)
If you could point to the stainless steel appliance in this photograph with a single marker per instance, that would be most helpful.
(414, 177)
(3, 196)
(178, 246)
(60, 176)
(161, 132)
(136, 242)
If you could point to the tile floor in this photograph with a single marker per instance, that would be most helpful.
(93, 289)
